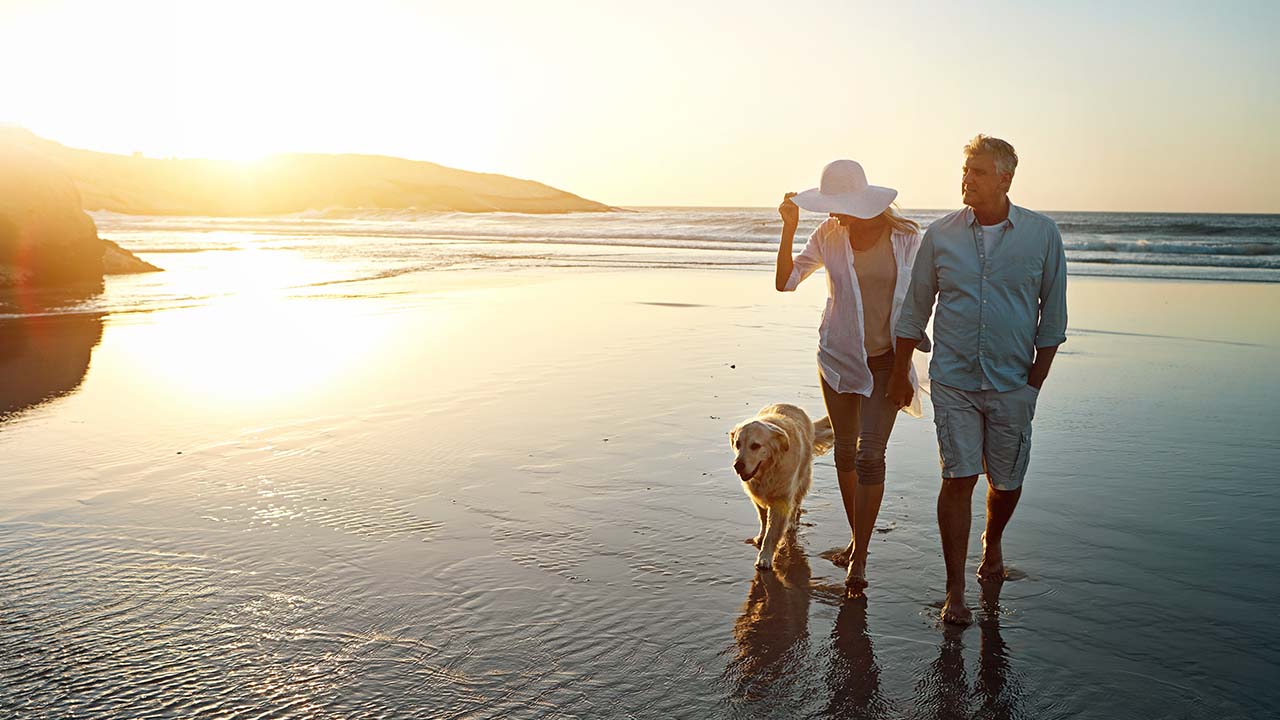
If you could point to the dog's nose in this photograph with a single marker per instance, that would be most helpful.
(739, 467)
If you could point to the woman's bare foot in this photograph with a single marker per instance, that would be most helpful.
(855, 581)
(991, 569)
(954, 611)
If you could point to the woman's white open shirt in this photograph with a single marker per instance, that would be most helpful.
(842, 352)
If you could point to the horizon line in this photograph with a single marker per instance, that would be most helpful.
(949, 209)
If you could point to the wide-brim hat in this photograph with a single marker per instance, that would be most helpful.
(844, 190)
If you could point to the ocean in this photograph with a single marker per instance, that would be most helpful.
(326, 247)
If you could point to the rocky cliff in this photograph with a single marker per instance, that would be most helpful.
(292, 183)
(46, 238)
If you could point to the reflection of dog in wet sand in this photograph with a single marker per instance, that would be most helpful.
(773, 623)
(775, 452)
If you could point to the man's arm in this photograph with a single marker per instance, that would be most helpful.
(900, 391)
(1040, 368)
(916, 309)
(917, 306)
(1052, 330)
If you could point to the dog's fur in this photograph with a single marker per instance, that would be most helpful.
(775, 452)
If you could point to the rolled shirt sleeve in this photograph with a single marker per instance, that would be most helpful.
(921, 293)
(809, 259)
(1051, 331)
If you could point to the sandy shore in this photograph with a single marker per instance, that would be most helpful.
(510, 495)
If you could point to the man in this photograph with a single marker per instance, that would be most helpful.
(999, 274)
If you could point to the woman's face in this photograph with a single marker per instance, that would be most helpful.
(857, 224)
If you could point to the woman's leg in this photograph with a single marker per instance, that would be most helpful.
(867, 500)
(844, 409)
(877, 417)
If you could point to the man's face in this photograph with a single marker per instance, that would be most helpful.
(981, 184)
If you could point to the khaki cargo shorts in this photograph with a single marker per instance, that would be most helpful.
(985, 431)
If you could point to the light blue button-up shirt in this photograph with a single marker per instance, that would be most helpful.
(994, 309)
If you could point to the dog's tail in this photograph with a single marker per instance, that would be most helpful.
(824, 438)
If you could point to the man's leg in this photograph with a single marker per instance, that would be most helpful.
(955, 510)
(1007, 452)
(958, 415)
(1000, 507)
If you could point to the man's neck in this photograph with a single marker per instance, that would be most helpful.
(992, 214)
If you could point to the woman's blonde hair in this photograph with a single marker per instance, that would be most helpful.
(900, 223)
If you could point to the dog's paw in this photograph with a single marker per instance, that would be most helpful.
(764, 562)
(754, 540)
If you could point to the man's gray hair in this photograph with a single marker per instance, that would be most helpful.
(1002, 152)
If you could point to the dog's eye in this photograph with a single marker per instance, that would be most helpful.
(755, 446)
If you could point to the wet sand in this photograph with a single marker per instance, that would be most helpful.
(509, 494)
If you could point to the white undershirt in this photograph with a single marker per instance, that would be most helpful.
(991, 233)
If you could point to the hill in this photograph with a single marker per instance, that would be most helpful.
(291, 183)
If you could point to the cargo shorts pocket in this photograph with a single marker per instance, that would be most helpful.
(948, 453)
(1022, 459)
(944, 434)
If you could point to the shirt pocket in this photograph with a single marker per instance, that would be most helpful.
(1021, 270)
(1032, 268)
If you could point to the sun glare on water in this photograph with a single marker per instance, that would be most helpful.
(253, 352)
(261, 337)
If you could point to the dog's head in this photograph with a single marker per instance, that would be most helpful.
(757, 444)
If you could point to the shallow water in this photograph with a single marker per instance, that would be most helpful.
(508, 494)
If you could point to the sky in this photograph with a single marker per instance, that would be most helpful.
(1155, 106)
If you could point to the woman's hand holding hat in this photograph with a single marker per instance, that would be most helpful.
(789, 211)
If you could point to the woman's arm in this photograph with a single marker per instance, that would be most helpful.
(790, 213)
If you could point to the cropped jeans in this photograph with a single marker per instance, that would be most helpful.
(862, 424)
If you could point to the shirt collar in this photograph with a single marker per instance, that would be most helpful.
(1015, 216)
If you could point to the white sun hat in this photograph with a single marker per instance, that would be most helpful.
(844, 190)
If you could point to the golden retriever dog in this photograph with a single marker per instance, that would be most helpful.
(775, 451)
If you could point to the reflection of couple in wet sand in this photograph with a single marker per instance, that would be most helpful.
(998, 275)
(943, 691)
(772, 643)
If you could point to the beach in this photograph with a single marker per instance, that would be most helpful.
(506, 491)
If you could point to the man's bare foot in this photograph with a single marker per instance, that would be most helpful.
(855, 582)
(991, 569)
(954, 611)
(991, 599)
(841, 558)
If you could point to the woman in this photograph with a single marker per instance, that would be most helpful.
(867, 249)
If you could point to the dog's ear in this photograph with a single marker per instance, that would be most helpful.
(733, 436)
(780, 436)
